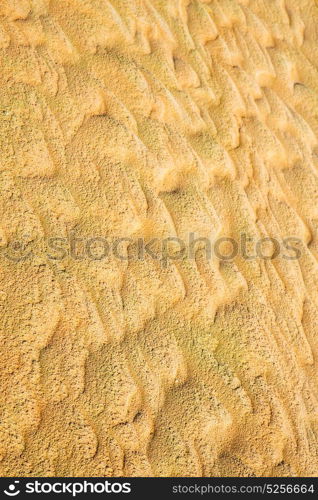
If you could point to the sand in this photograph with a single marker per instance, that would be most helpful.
(142, 119)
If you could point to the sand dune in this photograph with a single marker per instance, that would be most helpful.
(158, 119)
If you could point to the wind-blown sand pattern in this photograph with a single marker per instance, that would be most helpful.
(158, 118)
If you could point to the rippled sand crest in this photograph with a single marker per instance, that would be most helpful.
(156, 119)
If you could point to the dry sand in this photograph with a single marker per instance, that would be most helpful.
(143, 119)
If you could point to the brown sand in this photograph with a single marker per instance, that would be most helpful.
(157, 118)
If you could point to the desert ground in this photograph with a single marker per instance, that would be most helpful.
(158, 238)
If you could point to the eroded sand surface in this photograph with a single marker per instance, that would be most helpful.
(157, 118)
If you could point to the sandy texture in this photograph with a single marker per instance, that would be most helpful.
(156, 118)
